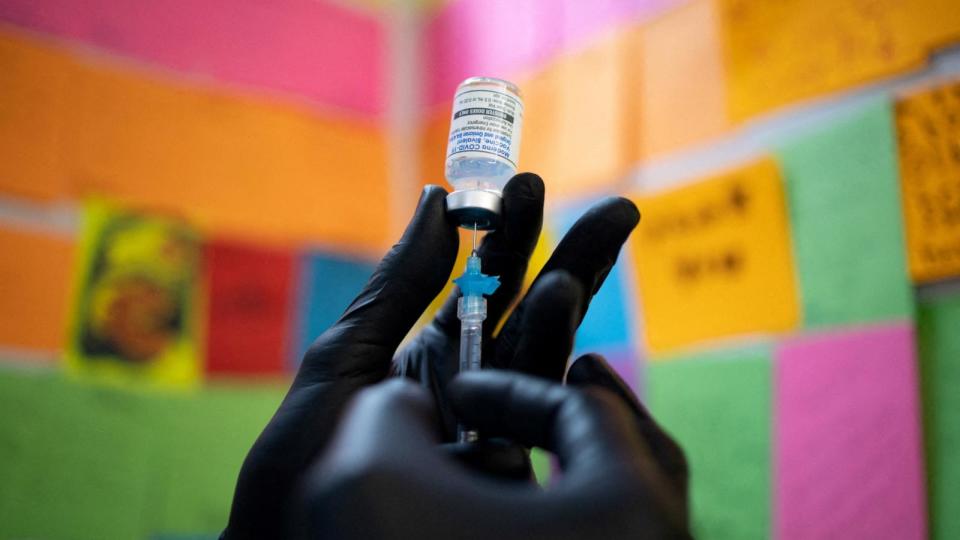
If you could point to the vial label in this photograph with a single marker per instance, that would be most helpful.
(485, 123)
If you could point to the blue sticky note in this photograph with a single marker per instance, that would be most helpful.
(328, 284)
(608, 322)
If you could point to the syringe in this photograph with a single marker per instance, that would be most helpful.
(472, 310)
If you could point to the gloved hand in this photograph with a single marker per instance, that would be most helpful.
(537, 338)
(358, 350)
(383, 477)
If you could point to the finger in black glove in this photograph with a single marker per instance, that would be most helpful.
(384, 478)
(592, 370)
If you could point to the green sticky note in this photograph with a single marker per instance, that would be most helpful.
(938, 335)
(718, 407)
(845, 214)
(73, 459)
(206, 437)
(82, 461)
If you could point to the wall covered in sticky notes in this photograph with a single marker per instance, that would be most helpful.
(191, 192)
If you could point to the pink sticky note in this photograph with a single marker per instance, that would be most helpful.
(584, 20)
(848, 461)
(507, 38)
(312, 49)
(492, 38)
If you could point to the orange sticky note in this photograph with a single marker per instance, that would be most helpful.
(681, 46)
(32, 101)
(35, 271)
(432, 142)
(713, 259)
(928, 128)
(788, 50)
(240, 166)
(580, 124)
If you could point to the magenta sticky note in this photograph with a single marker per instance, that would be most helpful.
(848, 460)
(314, 50)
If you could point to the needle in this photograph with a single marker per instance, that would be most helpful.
(474, 238)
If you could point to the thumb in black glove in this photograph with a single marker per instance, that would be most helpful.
(355, 352)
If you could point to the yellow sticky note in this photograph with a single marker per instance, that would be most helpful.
(784, 51)
(134, 316)
(713, 259)
(541, 254)
(928, 128)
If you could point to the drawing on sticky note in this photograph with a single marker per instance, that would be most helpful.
(713, 259)
(133, 310)
(928, 129)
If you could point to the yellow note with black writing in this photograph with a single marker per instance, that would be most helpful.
(928, 132)
(781, 52)
(713, 259)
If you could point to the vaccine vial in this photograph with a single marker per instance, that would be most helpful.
(483, 149)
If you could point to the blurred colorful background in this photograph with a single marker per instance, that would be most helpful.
(192, 190)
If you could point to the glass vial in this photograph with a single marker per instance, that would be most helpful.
(483, 149)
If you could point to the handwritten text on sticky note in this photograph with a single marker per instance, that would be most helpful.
(713, 259)
(928, 129)
(784, 51)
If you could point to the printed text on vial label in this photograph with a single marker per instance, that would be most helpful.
(485, 122)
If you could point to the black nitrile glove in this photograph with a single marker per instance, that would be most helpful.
(384, 478)
(360, 349)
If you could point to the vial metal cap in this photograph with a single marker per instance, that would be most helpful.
(478, 208)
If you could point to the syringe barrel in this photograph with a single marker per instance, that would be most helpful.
(472, 310)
